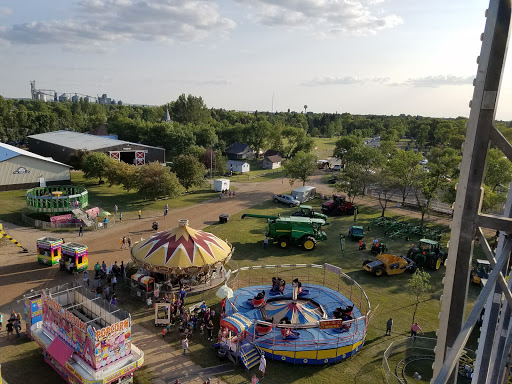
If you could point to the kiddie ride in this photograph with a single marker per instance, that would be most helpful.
(302, 231)
(338, 206)
(302, 323)
(429, 253)
(389, 265)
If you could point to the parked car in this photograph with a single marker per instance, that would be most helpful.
(336, 167)
(287, 199)
(424, 162)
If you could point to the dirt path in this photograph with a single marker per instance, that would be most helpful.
(19, 273)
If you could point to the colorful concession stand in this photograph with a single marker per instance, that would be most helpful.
(182, 251)
(76, 253)
(84, 338)
(49, 250)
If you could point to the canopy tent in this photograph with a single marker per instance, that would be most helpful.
(297, 313)
(236, 323)
(181, 250)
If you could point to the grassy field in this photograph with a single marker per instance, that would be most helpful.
(324, 147)
(105, 197)
(388, 296)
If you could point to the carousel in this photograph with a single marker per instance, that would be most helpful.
(181, 257)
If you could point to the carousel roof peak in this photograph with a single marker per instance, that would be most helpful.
(183, 222)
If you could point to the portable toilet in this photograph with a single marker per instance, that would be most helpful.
(49, 250)
(78, 253)
(220, 185)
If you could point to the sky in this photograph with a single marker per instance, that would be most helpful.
(358, 56)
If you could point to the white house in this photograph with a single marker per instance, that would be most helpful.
(238, 166)
(272, 162)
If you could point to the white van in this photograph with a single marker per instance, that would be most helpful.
(304, 194)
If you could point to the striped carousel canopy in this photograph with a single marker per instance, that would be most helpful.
(181, 250)
(298, 313)
(236, 323)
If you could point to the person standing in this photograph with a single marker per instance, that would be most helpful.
(122, 268)
(115, 209)
(129, 242)
(183, 294)
(9, 328)
(1, 321)
(254, 379)
(414, 330)
(140, 214)
(114, 282)
(184, 344)
(123, 242)
(209, 328)
(97, 268)
(389, 324)
(120, 216)
(263, 365)
(265, 243)
(81, 231)
(104, 267)
(86, 278)
(166, 210)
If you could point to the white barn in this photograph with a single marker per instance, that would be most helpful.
(20, 169)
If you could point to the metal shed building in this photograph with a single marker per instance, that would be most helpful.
(61, 144)
(20, 169)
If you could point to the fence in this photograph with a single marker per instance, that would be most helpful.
(49, 225)
(403, 358)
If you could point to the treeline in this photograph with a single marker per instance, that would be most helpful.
(194, 126)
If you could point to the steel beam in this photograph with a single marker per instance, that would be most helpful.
(453, 332)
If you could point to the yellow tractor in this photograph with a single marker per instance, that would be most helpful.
(389, 265)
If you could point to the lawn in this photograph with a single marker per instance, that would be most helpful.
(324, 147)
(388, 296)
(105, 197)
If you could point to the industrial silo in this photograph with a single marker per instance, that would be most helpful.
(63, 98)
(75, 99)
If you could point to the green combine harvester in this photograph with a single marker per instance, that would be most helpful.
(301, 231)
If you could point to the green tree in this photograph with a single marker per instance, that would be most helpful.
(113, 172)
(386, 187)
(128, 177)
(76, 159)
(189, 110)
(94, 166)
(214, 159)
(154, 180)
(189, 171)
(418, 285)
(300, 167)
(345, 144)
(422, 135)
(405, 167)
(498, 171)
(350, 182)
(297, 141)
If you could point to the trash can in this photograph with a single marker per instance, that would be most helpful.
(223, 218)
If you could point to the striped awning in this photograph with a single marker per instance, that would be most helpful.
(236, 323)
(143, 279)
(297, 313)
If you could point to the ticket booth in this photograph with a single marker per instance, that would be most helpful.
(78, 253)
(142, 285)
(49, 250)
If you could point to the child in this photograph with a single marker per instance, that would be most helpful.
(1, 320)
(184, 344)
(201, 330)
(148, 301)
(164, 331)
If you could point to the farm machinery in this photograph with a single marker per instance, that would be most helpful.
(338, 206)
(389, 265)
(308, 211)
(480, 272)
(428, 253)
(356, 232)
(301, 231)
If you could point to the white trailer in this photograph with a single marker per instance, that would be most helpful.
(304, 194)
(220, 185)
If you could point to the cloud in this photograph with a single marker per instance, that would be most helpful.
(101, 23)
(427, 81)
(438, 81)
(4, 11)
(346, 80)
(326, 17)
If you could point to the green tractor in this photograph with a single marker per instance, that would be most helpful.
(302, 231)
(308, 211)
(356, 232)
(428, 253)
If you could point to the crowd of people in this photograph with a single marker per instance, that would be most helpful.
(105, 280)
